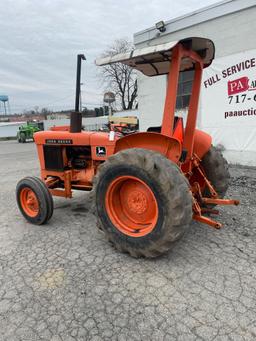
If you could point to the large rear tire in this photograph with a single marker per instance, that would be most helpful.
(143, 202)
(216, 170)
(34, 200)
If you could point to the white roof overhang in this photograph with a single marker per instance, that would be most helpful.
(155, 60)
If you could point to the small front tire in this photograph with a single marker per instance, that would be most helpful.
(34, 200)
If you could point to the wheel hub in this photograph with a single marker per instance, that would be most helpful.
(131, 206)
(137, 202)
(29, 202)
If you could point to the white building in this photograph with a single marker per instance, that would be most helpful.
(228, 96)
(9, 129)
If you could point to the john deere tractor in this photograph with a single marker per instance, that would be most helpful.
(147, 186)
(26, 132)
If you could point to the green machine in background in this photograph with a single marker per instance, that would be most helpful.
(26, 132)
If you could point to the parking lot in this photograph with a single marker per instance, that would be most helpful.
(64, 281)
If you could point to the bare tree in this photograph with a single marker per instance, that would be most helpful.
(120, 78)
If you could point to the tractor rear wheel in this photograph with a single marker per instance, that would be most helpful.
(143, 202)
(22, 137)
(215, 167)
(34, 200)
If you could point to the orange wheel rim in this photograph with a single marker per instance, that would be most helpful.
(131, 206)
(29, 202)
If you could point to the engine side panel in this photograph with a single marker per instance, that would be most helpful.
(102, 146)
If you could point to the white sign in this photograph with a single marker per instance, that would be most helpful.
(228, 101)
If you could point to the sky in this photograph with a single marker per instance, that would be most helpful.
(40, 39)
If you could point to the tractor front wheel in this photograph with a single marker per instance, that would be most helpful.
(34, 200)
(143, 202)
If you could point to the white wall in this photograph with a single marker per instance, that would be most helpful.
(87, 122)
(231, 33)
(151, 91)
(10, 129)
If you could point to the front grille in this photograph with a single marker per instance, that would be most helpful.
(53, 158)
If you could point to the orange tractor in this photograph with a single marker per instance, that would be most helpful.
(148, 186)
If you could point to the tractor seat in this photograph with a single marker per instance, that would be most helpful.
(178, 129)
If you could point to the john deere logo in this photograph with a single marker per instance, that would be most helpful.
(58, 141)
(100, 151)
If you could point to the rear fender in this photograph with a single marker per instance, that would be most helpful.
(168, 146)
(202, 143)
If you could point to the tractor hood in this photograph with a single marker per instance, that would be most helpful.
(84, 138)
(155, 60)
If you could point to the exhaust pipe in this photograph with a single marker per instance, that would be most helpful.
(76, 116)
(75, 122)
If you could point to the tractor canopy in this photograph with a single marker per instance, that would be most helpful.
(155, 60)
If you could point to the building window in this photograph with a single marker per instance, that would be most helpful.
(184, 89)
